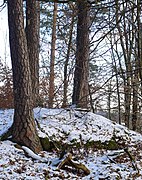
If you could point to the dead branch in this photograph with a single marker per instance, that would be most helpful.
(67, 160)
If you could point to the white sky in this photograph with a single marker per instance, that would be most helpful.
(4, 40)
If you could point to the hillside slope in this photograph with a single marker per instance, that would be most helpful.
(109, 150)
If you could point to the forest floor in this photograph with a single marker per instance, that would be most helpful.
(110, 151)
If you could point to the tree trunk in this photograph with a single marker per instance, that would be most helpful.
(135, 101)
(66, 64)
(137, 69)
(81, 74)
(109, 92)
(32, 34)
(23, 128)
(52, 60)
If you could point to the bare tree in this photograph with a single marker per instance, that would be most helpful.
(67, 63)
(126, 41)
(52, 60)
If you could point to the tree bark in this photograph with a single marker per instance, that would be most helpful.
(81, 74)
(23, 128)
(32, 34)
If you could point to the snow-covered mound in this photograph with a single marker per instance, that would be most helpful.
(72, 126)
(69, 126)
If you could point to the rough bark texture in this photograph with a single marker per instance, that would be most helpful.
(80, 91)
(52, 60)
(23, 128)
(32, 34)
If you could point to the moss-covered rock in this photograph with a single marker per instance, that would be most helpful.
(46, 144)
(94, 144)
(111, 145)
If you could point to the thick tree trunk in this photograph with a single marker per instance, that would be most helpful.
(81, 74)
(32, 34)
(52, 60)
(23, 128)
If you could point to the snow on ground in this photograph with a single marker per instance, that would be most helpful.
(71, 126)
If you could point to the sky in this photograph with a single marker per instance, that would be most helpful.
(4, 41)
